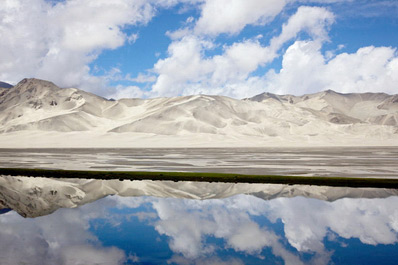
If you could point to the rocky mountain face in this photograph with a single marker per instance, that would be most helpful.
(38, 105)
(370, 108)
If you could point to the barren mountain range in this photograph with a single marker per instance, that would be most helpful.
(38, 113)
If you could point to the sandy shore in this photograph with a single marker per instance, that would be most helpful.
(41, 139)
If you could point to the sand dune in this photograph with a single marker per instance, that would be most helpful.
(67, 117)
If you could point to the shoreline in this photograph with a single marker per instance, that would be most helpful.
(360, 182)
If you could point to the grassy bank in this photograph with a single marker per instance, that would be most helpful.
(207, 177)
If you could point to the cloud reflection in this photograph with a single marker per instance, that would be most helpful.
(242, 226)
(188, 222)
(60, 238)
(307, 223)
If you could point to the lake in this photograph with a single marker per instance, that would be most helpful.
(76, 221)
(320, 161)
(152, 222)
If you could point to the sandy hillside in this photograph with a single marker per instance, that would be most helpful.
(37, 113)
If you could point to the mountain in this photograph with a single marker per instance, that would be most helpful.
(37, 113)
(33, 197)
(5, 85)
(368, 108)
(4, 88)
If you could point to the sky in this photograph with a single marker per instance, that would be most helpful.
(235, 48)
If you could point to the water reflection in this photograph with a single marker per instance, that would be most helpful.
(269, 224)
(61, 238)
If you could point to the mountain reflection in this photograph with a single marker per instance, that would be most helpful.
(269, 224)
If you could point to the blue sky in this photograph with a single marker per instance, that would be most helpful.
(237, 48)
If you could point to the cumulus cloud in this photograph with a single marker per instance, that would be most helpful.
(231, 16)
(307, 70)
(305, 67)
(58, 41)
(313, 20)
(187, 70)
(126, 92)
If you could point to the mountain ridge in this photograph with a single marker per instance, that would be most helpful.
(35, 105)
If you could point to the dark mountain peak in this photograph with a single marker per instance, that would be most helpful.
(35, 85)
(331, 92)
(371, 95)
(324, 93)
(5, 85)
(263, 96)
(35, 81)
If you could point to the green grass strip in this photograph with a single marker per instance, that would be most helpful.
(206, 177)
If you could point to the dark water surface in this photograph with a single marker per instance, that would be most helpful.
(238, 224)
(321, 161)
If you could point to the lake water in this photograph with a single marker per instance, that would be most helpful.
(320, 161)
(61, 221)
(148, 222)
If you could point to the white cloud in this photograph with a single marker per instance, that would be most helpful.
(184, 64)
(313, 20)
(231, 16)
(88, 25)
(57, 42)
(141, 78)
(305, 70)
(190, 19)
(188, 70)
(239, 60)
(126, 92)
(132, 38)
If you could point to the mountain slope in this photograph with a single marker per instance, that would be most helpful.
(35, 107)
(373, 108)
